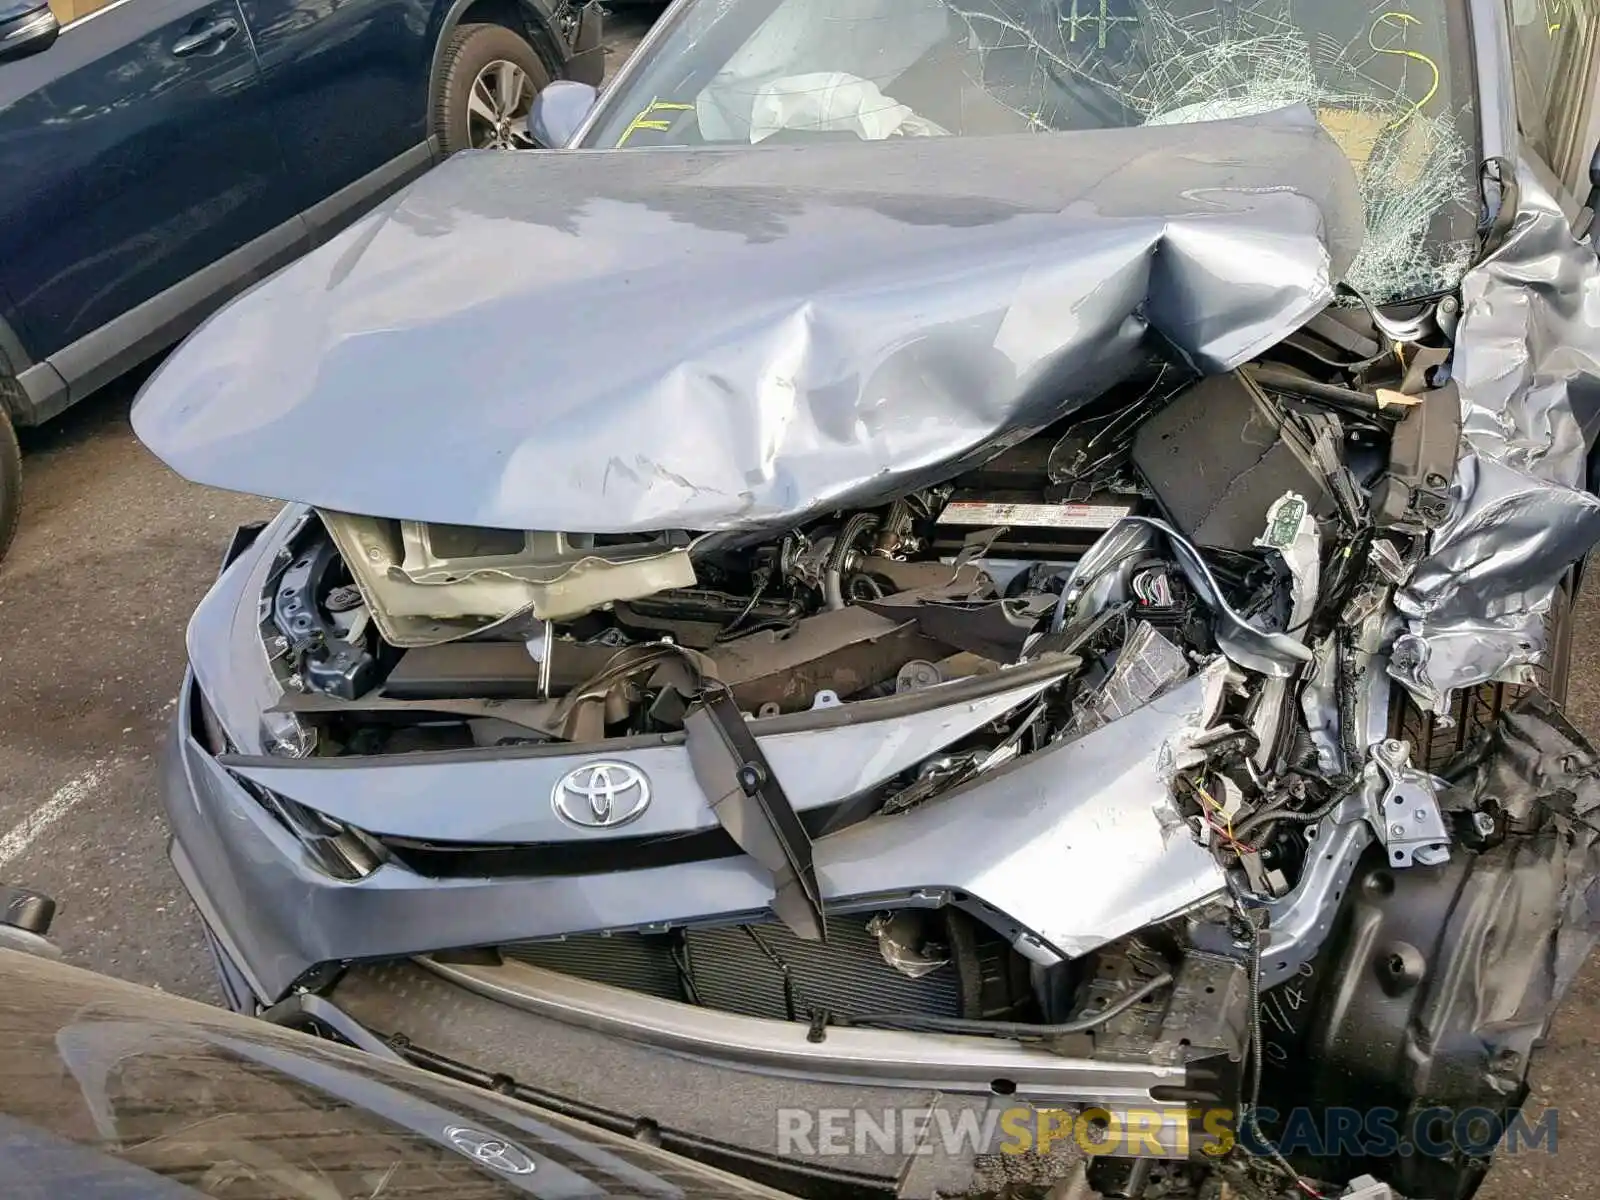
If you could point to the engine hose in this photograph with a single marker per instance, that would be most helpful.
(833, 575)
(923, 1023)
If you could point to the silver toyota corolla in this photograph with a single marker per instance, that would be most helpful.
(1018, 560)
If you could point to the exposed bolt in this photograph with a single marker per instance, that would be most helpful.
(1397, 830)
(1420, 815)
(374, 554)
(1483, 823)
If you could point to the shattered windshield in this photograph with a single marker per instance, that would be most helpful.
(1390, 82)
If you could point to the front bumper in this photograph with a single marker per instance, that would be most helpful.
(1019, 841)
(1041, 864)
(1061, 852)
(711, 1084)
(275, 917)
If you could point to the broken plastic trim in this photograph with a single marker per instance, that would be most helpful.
(751, 805)
(1044, 666)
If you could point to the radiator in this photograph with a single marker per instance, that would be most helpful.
(754, 970)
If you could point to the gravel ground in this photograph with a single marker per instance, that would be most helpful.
(114, 552)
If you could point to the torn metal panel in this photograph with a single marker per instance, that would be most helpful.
(1080, 843)
(420, 594)
(885, 313)
(1527, 365)
(1489, 560)
(842, 650)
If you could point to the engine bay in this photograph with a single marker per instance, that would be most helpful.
(1252, 525)
(1263, 516)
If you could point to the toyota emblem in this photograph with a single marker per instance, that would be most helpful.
(493, 1152)
(601, 795)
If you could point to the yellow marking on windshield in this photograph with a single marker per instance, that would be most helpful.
(1553, 13)
(1400, 20)
(642, 119)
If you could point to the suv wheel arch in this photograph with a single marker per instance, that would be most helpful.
(524, 17)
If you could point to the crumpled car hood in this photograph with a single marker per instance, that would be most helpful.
(618, 341)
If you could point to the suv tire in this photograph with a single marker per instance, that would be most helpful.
(10, 466)
(485, 52)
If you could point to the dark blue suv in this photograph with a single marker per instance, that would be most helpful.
(159, 156)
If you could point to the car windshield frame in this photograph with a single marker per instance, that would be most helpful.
(1419, 243)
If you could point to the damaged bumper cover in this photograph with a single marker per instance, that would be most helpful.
(1067, 849)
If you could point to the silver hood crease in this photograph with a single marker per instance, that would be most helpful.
(883, 312)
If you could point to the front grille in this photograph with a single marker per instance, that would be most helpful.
(460, 861)
(755, 970)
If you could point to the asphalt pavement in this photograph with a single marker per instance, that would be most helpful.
(113, 553)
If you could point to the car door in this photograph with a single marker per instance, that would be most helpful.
(140, 182)
(347, 81)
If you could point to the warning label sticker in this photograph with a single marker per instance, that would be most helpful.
(1035, 516)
